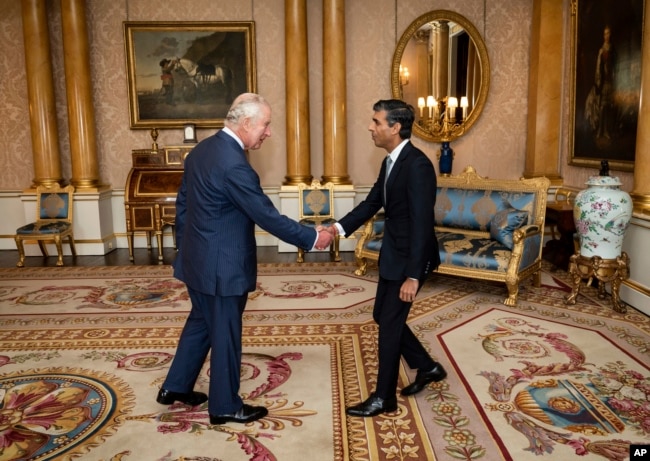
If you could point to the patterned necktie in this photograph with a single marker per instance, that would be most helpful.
(389, 165)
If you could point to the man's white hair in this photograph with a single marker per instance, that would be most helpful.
(246, 105)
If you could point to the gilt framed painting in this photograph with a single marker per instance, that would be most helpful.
(606, 45)
(182, 73)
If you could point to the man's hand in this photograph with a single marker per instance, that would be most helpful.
(332, 229)
(324, 238)
(408, 290)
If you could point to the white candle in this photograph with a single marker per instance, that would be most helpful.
(452, 103)
(421, 106)
(431, 102)
(464, 103)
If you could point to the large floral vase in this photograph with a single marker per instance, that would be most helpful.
(602, 213)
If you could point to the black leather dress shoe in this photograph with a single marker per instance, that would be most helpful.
(246, 414)
(166, 397)
(437, 373)
(373, 406)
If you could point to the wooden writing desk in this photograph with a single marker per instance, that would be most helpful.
(150, 195)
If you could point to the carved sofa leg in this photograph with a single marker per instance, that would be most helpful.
(362, 264)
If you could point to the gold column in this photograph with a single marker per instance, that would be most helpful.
(545, 91)
(40, 89)
(440, 60)
(83, 146)
(335, 139)
(641, 191)
(297, 91)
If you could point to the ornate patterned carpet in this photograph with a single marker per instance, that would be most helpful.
(84, 350)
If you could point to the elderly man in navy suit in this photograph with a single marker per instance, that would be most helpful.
(406, 189)
(218, 205)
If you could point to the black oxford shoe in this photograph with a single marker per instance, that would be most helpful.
(246, 414)
(166, 397)
(437, 373)
(373, 406)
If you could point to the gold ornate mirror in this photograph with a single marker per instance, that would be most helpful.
(441, 56)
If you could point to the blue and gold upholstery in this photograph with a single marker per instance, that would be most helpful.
(316, 207)
(53, 222)
(486, 228)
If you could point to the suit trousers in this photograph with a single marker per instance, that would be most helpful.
(214, 323)
(395, 338)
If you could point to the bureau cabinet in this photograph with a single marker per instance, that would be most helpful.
(150, 193)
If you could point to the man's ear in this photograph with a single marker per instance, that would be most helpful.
(396, 128)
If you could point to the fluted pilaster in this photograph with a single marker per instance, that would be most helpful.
(335, 141)
(641, 192)
(40, 89)
(83, 146)
(297, 91)
(545, 91)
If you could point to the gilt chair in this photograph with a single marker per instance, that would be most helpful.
(316, 207)
(53, 222)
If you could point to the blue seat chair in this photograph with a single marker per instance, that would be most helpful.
(316, 207)
(53, 222)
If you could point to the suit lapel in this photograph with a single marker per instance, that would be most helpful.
(396, 168)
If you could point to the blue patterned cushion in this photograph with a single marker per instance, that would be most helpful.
(374, 244)
(55, 227)
(473, 208)
(504, 223)
(469, 252)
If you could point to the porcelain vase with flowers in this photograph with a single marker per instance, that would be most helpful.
(602, 213)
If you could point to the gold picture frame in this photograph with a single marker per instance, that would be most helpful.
(183, 73)
(606, 42)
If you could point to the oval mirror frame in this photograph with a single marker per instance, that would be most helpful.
(481, 50)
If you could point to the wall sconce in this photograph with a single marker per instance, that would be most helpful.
(404, 75)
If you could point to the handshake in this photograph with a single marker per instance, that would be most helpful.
(325, 236)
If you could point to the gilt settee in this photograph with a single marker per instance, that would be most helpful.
(489, 229)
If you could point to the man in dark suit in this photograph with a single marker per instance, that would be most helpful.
(409, 251)
(219, 202)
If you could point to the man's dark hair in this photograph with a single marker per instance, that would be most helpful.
(397, 111)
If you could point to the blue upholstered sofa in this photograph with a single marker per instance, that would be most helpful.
(488, 229)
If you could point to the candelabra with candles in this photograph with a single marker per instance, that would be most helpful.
(443, 123)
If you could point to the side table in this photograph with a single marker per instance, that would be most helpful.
(605, 270)
(558, 252)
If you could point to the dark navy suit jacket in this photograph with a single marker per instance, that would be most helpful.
(218, 204)
(409, 247)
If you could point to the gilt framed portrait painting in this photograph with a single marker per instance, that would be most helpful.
(183, 73)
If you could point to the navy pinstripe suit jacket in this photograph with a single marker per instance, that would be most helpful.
(218, 204)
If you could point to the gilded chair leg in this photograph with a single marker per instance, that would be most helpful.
(59, 250)
(43, 247)
(337, 254)
(73, 250)
(301, 255)
(21, 252)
